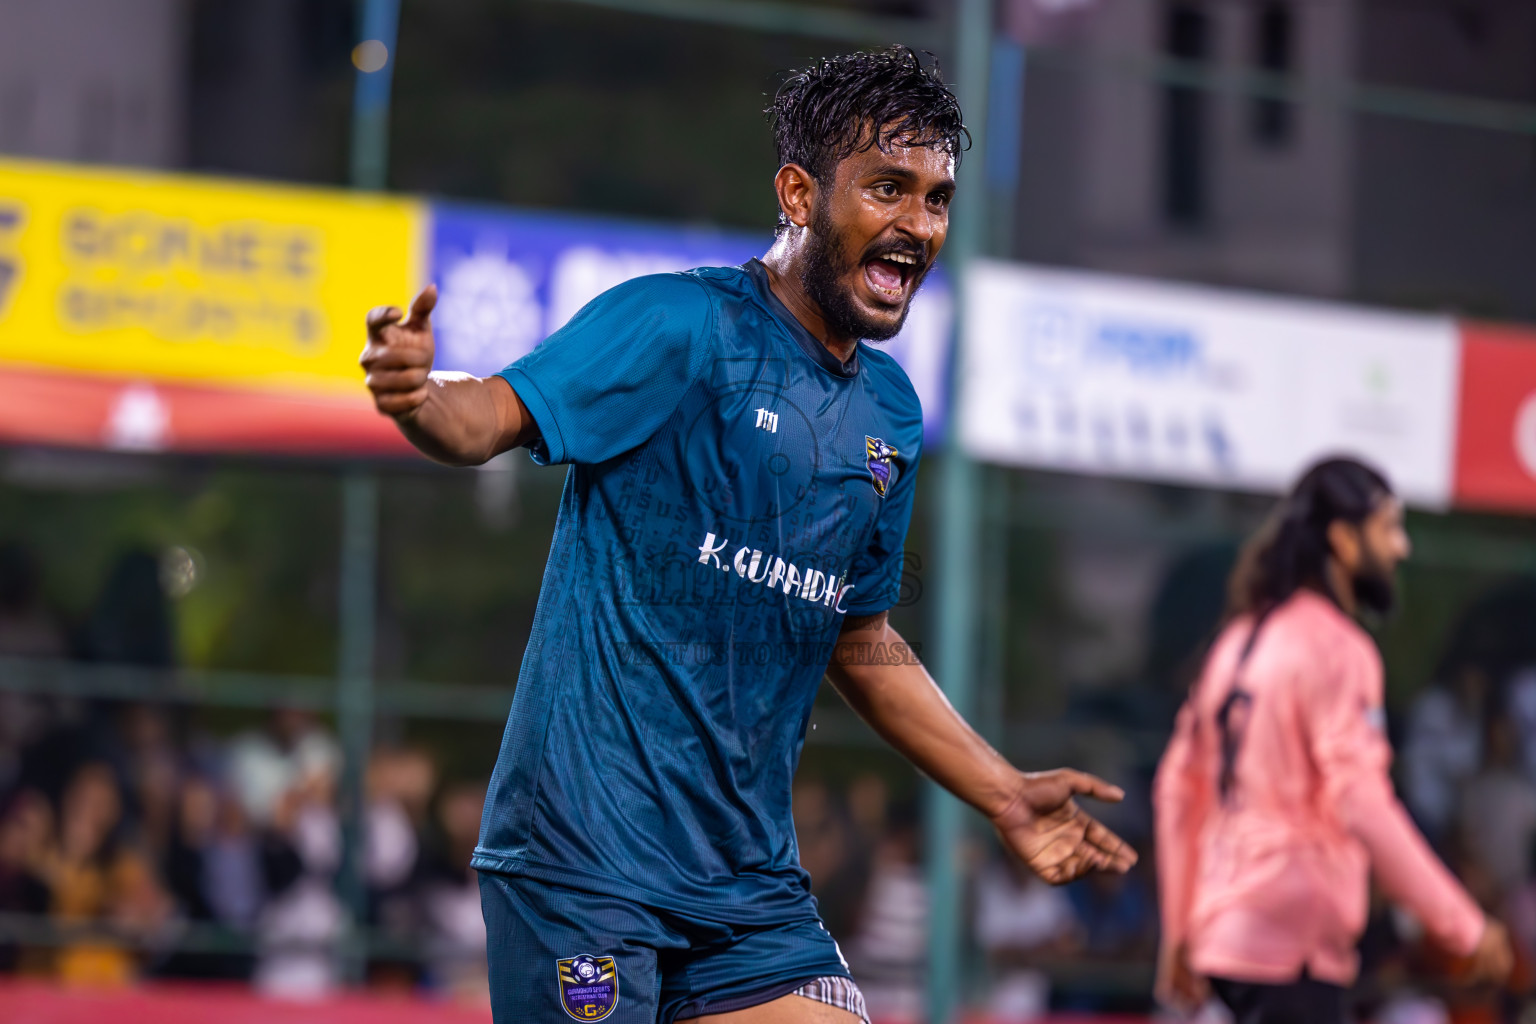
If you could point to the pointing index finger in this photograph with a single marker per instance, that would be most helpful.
(421, 307)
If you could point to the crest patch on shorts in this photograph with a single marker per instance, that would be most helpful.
(589, 986)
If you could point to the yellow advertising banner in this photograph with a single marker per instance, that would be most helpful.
(173, 277)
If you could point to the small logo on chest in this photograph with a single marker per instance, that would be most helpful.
(877, 457)
(768, 421)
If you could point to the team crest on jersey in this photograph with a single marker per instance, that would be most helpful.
(589, 986)
(878, 456)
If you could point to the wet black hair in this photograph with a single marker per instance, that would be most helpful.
(839, 106)
(1291, 550)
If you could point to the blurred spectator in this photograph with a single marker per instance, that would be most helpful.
(95, 880)
(76, 733)
(152, 834)
(399, 788)
(450, 898)
(1443, 747)
(266, 764)
(139, 908)
(27, 628)
(1410, 1007)
(234, 877)
(1497, 816)
(299, 926)
(131, 623)
(153, 770)
(77, 871)
(832, 854)
(1520, 910)
(1020, 918)
(1520, 699)
(26, 835)
(405, 777)
(1114, 915)
(196, 823)
(250, 842)
(888, 950)
(214, 868)
(23, 721)
(868, 800)
(399, 785)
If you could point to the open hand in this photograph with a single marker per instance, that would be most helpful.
(399, 353)
(1046, 829)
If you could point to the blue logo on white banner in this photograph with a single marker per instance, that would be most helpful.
(509, 279)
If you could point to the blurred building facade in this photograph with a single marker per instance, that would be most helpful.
(269, 87)
(1123, 173)
(251, 87)
(1447, 216)
(120, 94)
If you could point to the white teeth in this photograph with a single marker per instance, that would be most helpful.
(897, 257)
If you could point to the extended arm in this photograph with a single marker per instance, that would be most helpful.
(1410, 872)
(1034, 813)
(1350, 749)
(454, 418)
(1406, 867)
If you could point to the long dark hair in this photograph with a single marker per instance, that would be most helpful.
(1291, 550)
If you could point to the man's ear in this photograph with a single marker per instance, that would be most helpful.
(796, 189)
(1345, 542)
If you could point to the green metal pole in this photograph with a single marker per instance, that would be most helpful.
(955, 614)
(374, 58)
(355, 696)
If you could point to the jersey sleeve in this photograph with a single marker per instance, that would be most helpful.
(1346, 727)
(876, 573)
(607, 380)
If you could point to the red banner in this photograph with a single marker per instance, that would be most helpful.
(1496, 429)
(83, 411)
(23, 1003)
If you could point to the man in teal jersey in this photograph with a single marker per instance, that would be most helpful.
(742, 468)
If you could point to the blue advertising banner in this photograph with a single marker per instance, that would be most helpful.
(509, 279)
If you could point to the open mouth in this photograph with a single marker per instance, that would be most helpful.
(891, 275)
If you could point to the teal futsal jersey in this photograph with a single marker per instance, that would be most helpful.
(734, 492)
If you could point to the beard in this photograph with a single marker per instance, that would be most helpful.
(827, 263)
(1375, 587)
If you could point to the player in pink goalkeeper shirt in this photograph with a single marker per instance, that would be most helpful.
(1273, 800)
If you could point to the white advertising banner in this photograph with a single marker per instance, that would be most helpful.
(1092, 373)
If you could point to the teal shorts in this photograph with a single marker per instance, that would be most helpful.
(558, 953)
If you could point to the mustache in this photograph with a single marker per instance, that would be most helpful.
(880, 249)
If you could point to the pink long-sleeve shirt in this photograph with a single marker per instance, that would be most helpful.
(1274, 803)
